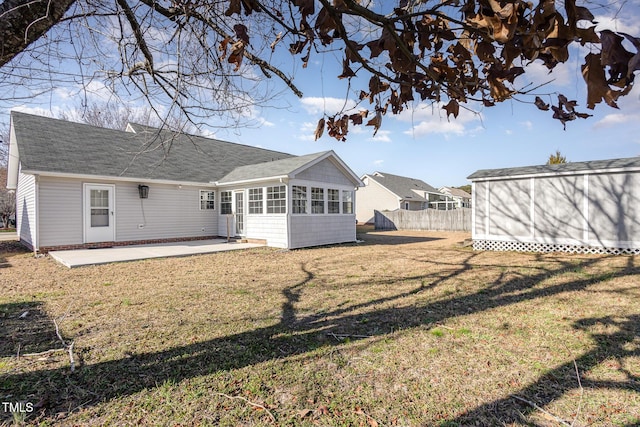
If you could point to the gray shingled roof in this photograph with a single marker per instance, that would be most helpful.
(627, 163)
(58, 146)
(402, 186)
(458, 192)
(270, 169)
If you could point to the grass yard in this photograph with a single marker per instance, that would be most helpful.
(405, 329)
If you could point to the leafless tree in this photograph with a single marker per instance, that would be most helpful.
(7, 200)
(209, 59)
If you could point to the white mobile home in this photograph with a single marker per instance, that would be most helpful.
(80, 186)
(585, 207)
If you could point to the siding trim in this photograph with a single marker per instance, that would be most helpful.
(585, 207)
(532, 207)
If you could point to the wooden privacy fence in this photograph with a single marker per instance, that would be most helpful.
(427, 219)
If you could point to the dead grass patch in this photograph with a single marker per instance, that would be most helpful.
(406, 328)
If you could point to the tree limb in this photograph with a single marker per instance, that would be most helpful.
(22, 22)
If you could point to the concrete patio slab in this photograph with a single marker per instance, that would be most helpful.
(81, 257)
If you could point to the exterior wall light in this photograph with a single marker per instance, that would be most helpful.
(143, 191)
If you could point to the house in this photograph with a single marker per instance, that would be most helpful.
(456, 198)
(385, 191)
(583, 207)
(79, 186)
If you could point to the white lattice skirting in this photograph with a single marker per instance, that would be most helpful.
(494, 245)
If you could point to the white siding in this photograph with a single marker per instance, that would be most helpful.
(559, 207)
(510, 208)
(325, 172)
(600, 210)
(60, 211)
(372, 197)
(314, 230)
(614, 211)
(270, 227)
(169, 212)
(26, 209)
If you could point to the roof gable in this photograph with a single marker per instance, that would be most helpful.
(286, 168)
(58, 146)
(403, 187)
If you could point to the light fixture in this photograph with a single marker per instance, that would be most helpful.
(143, 191)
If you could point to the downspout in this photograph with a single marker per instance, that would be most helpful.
(36, 200)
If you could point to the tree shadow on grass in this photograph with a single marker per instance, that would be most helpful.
(25, 328)
(295, 335)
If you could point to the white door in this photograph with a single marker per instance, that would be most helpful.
(99, 213)
(239, 213)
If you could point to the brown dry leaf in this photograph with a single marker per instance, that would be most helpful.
(541, 104)
(566, 104)
(319, 129)
(223, 47)
(241, 33)
(297, 47)
(376, 122)
(452, 108)
(237, 52)
(347, 72)
(634, 62)
(234, 8)
(597, 87)
(324, 24)
(306, 7)
(615, 56)
(385, 42)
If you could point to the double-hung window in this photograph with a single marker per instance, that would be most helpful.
(277, 199)
(317, 200)
(347, 202)
(299, 199)
(225, 202)
(207, 199)
(255, 201)
(333, 203)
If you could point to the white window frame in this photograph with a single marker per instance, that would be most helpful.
(347, 201)
(333, 201)
(277, 205)
(207, 200)
(255, 204)
(316, 202)
(299, 208)
(224, 203)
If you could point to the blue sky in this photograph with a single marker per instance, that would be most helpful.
(421, 142)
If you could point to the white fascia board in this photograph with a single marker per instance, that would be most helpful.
(283, 178)
(553, 174)
(13, 165)
(114, 178)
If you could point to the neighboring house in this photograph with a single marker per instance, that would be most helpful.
(81, 186)
(456, 198)
(384, 191)
(585, 207)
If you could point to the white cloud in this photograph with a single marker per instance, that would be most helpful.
(432, 119)
(527, 124)
(381, 136)
(316, 105)
(615, 119)
(622, 22)
(378, 162)
(508, 132)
